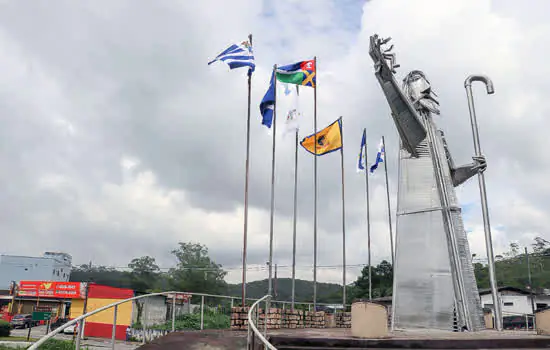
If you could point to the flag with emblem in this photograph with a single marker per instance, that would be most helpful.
(328, 140)
(237, 56)
(300, 73)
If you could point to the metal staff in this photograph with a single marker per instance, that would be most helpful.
(368, 211)
(271, 221)
(483, 191)
(389, 205)
(315, 192)
(343, 219)
(247, 167)
(295, 216)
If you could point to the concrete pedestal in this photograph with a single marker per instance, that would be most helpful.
(368, 320)
(542, 321)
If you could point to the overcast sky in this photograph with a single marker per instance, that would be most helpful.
(118, 140)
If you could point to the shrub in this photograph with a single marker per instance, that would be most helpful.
(5, 328)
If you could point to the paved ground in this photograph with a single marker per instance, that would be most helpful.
(92, 343)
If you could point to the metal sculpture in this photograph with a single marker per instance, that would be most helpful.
(433, 272)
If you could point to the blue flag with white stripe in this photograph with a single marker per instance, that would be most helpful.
(237, 56)
(361, 164)
(379, 157)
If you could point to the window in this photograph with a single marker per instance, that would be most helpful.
(508, 304)
(541, 306)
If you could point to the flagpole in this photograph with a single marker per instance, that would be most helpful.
(388, 196)
(271, 220)
(315, 189)
(368, 212)
(294, 221)
(247, 166)
(343, 219)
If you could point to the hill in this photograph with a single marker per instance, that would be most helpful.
(326, 292)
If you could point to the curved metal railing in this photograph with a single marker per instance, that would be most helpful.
(70, 323)
(255, 331)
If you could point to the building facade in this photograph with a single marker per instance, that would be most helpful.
(51, 266)
(516, 301)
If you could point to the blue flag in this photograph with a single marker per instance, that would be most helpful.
(237, 56)
(379, 157)
(268, 103)
(361, 164)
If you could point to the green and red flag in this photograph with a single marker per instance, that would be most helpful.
(300, 73)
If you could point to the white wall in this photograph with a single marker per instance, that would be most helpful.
(514, 303)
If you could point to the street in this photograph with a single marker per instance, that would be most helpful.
(91, 343)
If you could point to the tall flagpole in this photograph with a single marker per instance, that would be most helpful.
(294, 221)
(274, 123)
(368, 212)
(388, 196)
(247, 166)
(343, 219)
(315, 189)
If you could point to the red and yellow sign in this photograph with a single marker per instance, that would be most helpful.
(47, 289)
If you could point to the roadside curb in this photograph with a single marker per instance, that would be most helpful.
(15, 344)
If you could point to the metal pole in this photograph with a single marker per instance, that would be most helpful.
(144, 321)
(483, 192)
(343, 218)
(79, 334)
(174, 313)
(202, 312)
(294, 221)
(247, 166)
(388, 196)
(530, 282)
(113, 336)
(315, 190)
(271, 219)
(368, 212)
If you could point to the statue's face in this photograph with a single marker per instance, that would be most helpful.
(419, 87)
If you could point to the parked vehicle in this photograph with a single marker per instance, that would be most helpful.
(58, 323)
(23, 321)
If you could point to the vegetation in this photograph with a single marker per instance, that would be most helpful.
(212, 320)
(5, 328)
(196, 272)
(50, 344)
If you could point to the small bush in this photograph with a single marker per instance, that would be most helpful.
(5, 328)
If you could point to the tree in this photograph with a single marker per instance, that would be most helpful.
(195, 271)
(382, 281)
(145, 273)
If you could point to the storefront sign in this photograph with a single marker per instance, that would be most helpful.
(46, 289)
(179, 296)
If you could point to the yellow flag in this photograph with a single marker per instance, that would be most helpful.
(328, 140)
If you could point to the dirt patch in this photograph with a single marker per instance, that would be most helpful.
(197, 340)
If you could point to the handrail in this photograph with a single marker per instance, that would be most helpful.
(103, 308)
(253, 326)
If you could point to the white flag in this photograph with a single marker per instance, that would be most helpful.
(292, 122)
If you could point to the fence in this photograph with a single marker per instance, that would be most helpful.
(155, 315)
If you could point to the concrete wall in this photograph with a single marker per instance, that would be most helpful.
(21, 268)
(154, 311)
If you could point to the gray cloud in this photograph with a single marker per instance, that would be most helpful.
(90, 88)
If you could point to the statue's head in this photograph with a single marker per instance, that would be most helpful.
(418, 90)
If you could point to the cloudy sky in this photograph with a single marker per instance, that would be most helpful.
(118, 140)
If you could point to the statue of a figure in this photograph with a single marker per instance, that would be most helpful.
(433, 273)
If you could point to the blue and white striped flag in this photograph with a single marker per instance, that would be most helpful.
(361, 166)
(237, 56)
(379, 157)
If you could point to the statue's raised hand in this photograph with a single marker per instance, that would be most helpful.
(480, 164)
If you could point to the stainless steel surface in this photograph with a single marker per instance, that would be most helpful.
(272, 211)
(247, 168)
(368, 214)
(392, 250)
(483, 192)
(343, 219)
(315, 191)
(113, 335)
(429, 221)
(294, 219)
(252, 325)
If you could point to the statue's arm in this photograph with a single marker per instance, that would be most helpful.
(408, 124)
(462, 173)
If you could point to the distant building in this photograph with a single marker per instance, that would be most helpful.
(516, 301)
(51, 266)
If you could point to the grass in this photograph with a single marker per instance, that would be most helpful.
(51, 344)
